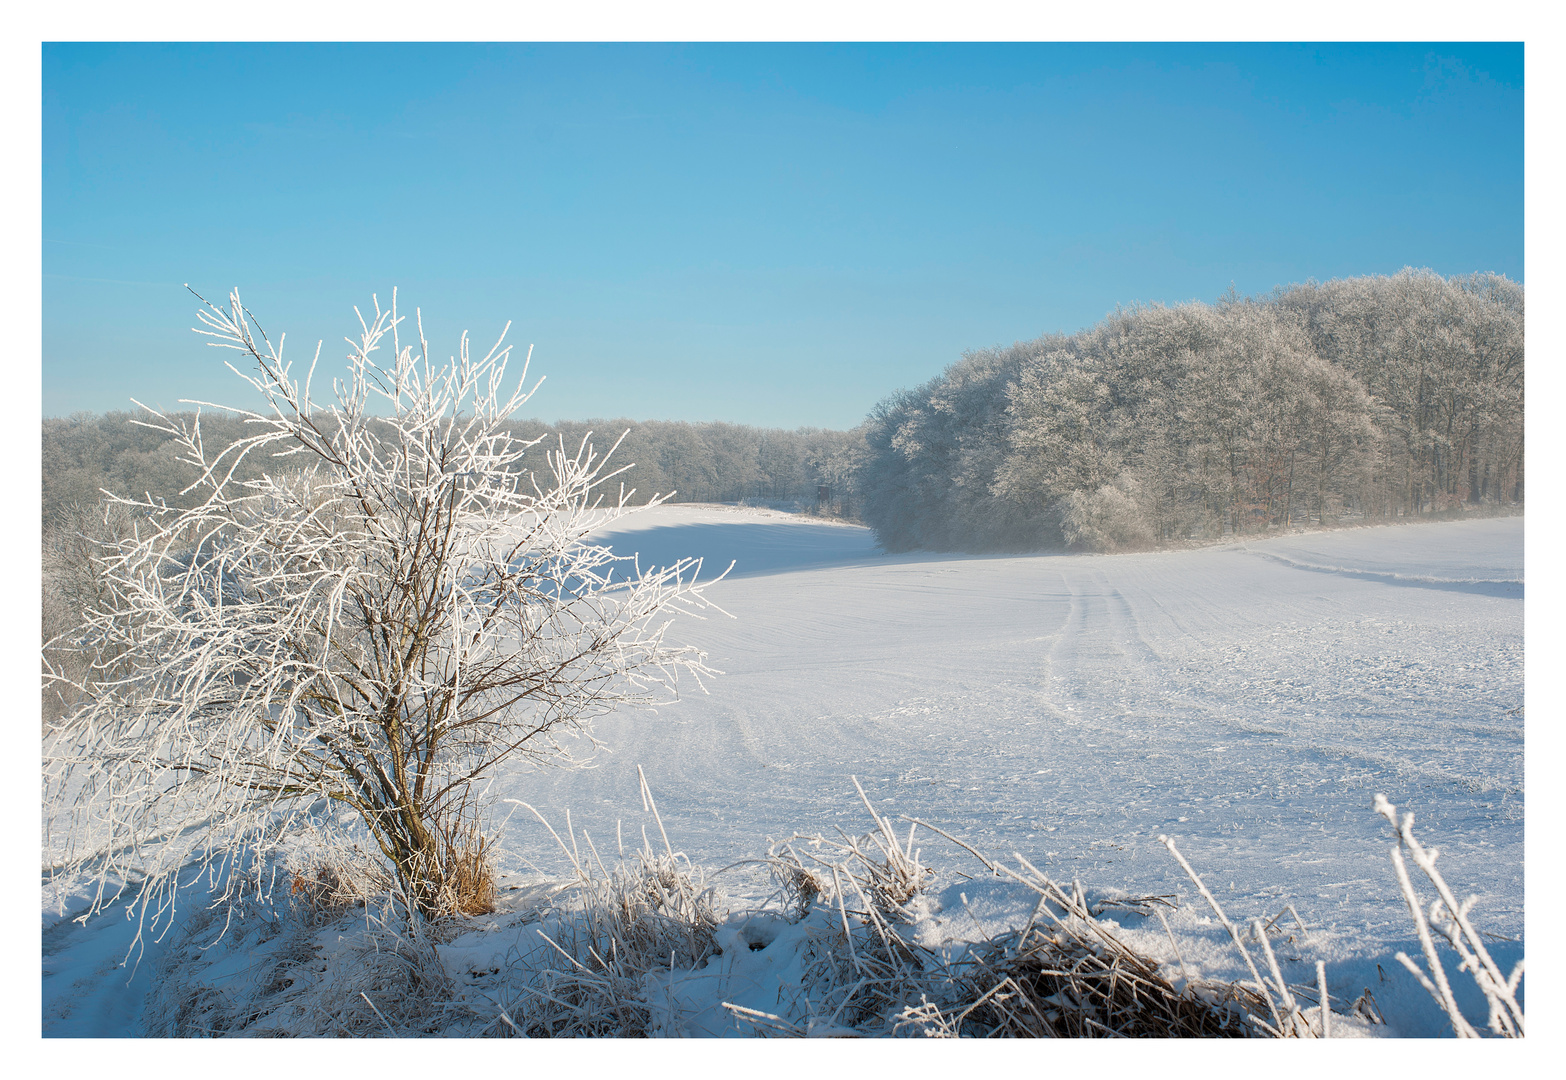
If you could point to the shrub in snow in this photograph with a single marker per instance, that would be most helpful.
(1111, 518)
(651, 911)
(414, 600)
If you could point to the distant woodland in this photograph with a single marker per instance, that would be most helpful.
(1360, 399)
(86, 454)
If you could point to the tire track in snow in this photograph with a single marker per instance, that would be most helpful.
(1505, 588)
(1073, 707)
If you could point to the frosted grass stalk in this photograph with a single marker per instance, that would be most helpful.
(1234, 933)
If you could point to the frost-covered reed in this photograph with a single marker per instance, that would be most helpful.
(610, 927)
(644, 944)
(1450, 919)
(1063, 974)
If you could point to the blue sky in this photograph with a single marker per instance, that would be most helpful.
(767, 234)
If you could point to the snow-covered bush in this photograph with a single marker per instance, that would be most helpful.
(413, 599)
(650, 911)
(1109, 519)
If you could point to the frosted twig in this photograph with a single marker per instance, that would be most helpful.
(649, 804)
(994, 867)
(1291, 1010)
(1234, 934)
(1326, 1011)
(389, 1029)
(1506, 1016)
(1172, 943)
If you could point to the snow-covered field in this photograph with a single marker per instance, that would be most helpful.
(1248, 700)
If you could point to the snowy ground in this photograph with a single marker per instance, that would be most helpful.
(1248, 700)
(1074, 707)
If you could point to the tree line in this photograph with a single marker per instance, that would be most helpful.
(1363, 398)
(86, 454)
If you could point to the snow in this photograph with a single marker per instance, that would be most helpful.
(1074, 707)
(1248, 699)
(86, 989)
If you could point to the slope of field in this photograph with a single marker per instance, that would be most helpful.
(1248, 700)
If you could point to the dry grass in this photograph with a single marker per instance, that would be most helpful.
(1076, 979)
(396, 985)
(467, 882)
(596, 949)
(1063, 975)
(325, 891)
(328, 877)
(869, 968)
(189, 1007)
(614, 926)
(381, 979)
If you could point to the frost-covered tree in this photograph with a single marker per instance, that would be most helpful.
(1376, 396)
(407, 596)
(1444, 358)
(837, 459)
(933, 458)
